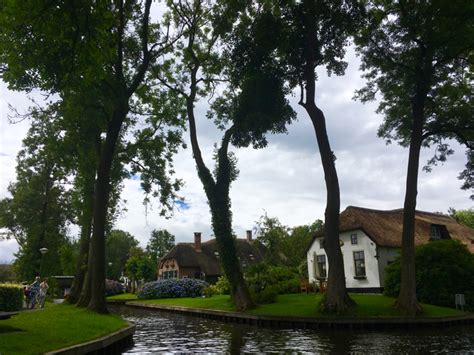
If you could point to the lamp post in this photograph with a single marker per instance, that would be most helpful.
(42, 251)
(110, 269)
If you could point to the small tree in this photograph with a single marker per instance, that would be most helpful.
(161, 242)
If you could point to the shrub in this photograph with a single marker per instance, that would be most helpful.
(221, 287)
(172, 288)
(282, 279)
(11, 297)
(114, 287)
(443, 268)
(268, 295)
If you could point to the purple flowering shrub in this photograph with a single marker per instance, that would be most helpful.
(172, 288)
(113, 287)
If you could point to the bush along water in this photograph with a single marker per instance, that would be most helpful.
(173, 288)
(443, 269)
(11, 297)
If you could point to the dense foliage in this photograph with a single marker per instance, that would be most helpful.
(443, 269)
(172, 288)
(11, 297)
(161, 241)
(117, 251)
(283, 279)
(221, 287)
(285, 246)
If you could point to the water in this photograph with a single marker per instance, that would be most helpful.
(159, 332)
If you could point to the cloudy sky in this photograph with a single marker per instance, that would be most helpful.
(285, 180)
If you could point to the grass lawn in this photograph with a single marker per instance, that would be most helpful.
(123, 296)
(54, 327)
(307, 305)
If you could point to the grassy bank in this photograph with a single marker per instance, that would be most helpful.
(307, 305)
(54, 327)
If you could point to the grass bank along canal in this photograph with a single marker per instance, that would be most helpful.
(158, 332)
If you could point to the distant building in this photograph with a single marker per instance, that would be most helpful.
(201, 260)
(371, 239)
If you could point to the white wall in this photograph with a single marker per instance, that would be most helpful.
(363, 243)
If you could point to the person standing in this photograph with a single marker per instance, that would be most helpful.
(42, 292)
(34, 292)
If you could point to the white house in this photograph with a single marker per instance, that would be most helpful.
(371, 239)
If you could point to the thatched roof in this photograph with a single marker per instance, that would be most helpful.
(208, 258)
(385, 227)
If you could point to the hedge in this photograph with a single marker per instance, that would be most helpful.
(172, 288)
(11, 297)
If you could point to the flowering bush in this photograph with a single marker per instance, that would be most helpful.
(172, 288)
(113, 287)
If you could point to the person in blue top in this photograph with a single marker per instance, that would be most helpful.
(34, 292)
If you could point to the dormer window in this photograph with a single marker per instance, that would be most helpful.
(435, 232)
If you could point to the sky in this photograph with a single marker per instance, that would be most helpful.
(284, 180)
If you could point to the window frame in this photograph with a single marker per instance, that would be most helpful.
(354, 239)
(360, 272)
(321, 266)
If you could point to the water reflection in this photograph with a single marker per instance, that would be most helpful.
(170, 333)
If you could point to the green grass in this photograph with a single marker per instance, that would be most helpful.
(221, 303)
(54, 327)
(307, 305)
(123, 296)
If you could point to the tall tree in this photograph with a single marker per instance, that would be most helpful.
(39, 210)
(103, 49)
(287, 41)
(161, 241)
(199, 62)
(418, 57)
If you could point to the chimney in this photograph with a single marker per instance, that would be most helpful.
(197, 241)
(249, 236)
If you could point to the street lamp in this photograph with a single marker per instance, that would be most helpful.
(109, 270)
(42, 251)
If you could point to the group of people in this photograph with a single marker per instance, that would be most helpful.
(35, 294)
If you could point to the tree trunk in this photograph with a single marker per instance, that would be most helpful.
(336, 299)
(85, 296)
(222, 227)
(217, 193)
(97, 302)
(86, 229)
(407, 300)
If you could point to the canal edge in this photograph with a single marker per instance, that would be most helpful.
(112, 343)
(307, 322)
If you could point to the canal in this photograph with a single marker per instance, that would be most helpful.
(160, 332)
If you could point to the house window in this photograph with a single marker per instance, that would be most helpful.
(435, 232)
(321, 263)
(172, 274)
(359, 264)
(321, 243)
(354, 238)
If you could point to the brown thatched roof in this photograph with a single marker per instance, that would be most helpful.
(385, 227)
(208, 258)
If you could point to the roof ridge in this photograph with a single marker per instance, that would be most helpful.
(373, 209)
(438, 214)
